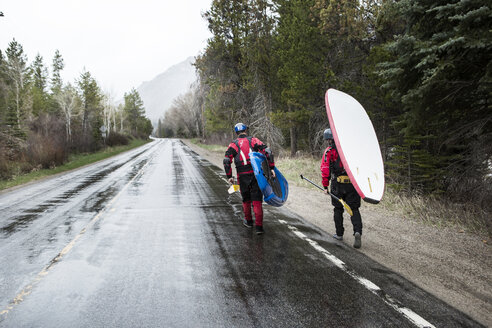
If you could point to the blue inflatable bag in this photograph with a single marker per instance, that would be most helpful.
(275, 189)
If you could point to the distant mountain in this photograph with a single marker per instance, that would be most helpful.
(159, 93)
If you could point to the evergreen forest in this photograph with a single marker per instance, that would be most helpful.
(422, 69)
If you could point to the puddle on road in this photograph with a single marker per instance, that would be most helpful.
(98, 201)
(25, 219)
(55, 201)
(18, 223)
(135, 169)
(136, 184)
(40, 209)
(178, 175)
(90, 180)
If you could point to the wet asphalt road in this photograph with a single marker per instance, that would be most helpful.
(151, 238)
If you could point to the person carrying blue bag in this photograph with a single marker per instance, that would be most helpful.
(238, 152)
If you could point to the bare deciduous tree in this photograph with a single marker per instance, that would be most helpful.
(69, 103)
(109, 112)
(184, 117)
(261, 124)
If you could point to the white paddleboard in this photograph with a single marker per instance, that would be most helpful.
(357, 144)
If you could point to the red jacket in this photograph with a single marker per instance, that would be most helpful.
(330, 162)
(238, 151)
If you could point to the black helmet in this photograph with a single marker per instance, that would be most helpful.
(327, 134)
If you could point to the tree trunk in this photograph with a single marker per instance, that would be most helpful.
(69, 131)
(84, 123)
(202, 110)
(293, 137)
(17, 104)
(293, 141)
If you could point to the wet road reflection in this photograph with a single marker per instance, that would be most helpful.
(153, 239)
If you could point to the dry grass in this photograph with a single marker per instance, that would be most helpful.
(439, 212)
(292, 168)
(436, 211)
(218, 149)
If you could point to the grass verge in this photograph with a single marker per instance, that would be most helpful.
(75, 161)
(212, 148)
(439, 212)
(292, 168)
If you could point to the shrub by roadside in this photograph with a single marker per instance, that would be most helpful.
(47, 144)
(117, 139)
(45, 151)
(12, 156)
(74, 161)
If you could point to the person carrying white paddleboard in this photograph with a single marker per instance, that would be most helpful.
(332, 171)
(238, 151)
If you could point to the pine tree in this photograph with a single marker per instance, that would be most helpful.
(441, 72)
(300, 57)
(259, 71)
(135, 111)
(17, 74)
(58, 65)
(91, 97)
(39, 73)
(38, 91)
(3, 91)
(223, 67)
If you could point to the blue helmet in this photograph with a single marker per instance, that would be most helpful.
(240, 127)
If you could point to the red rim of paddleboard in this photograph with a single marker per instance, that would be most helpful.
(340, 151)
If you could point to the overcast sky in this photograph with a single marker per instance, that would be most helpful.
(121, 42)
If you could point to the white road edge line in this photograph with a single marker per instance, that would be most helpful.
(413, 317)
(28, 289)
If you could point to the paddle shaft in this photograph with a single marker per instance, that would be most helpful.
(317, 186)
(349, 210)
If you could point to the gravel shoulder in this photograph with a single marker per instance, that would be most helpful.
(452, 265)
